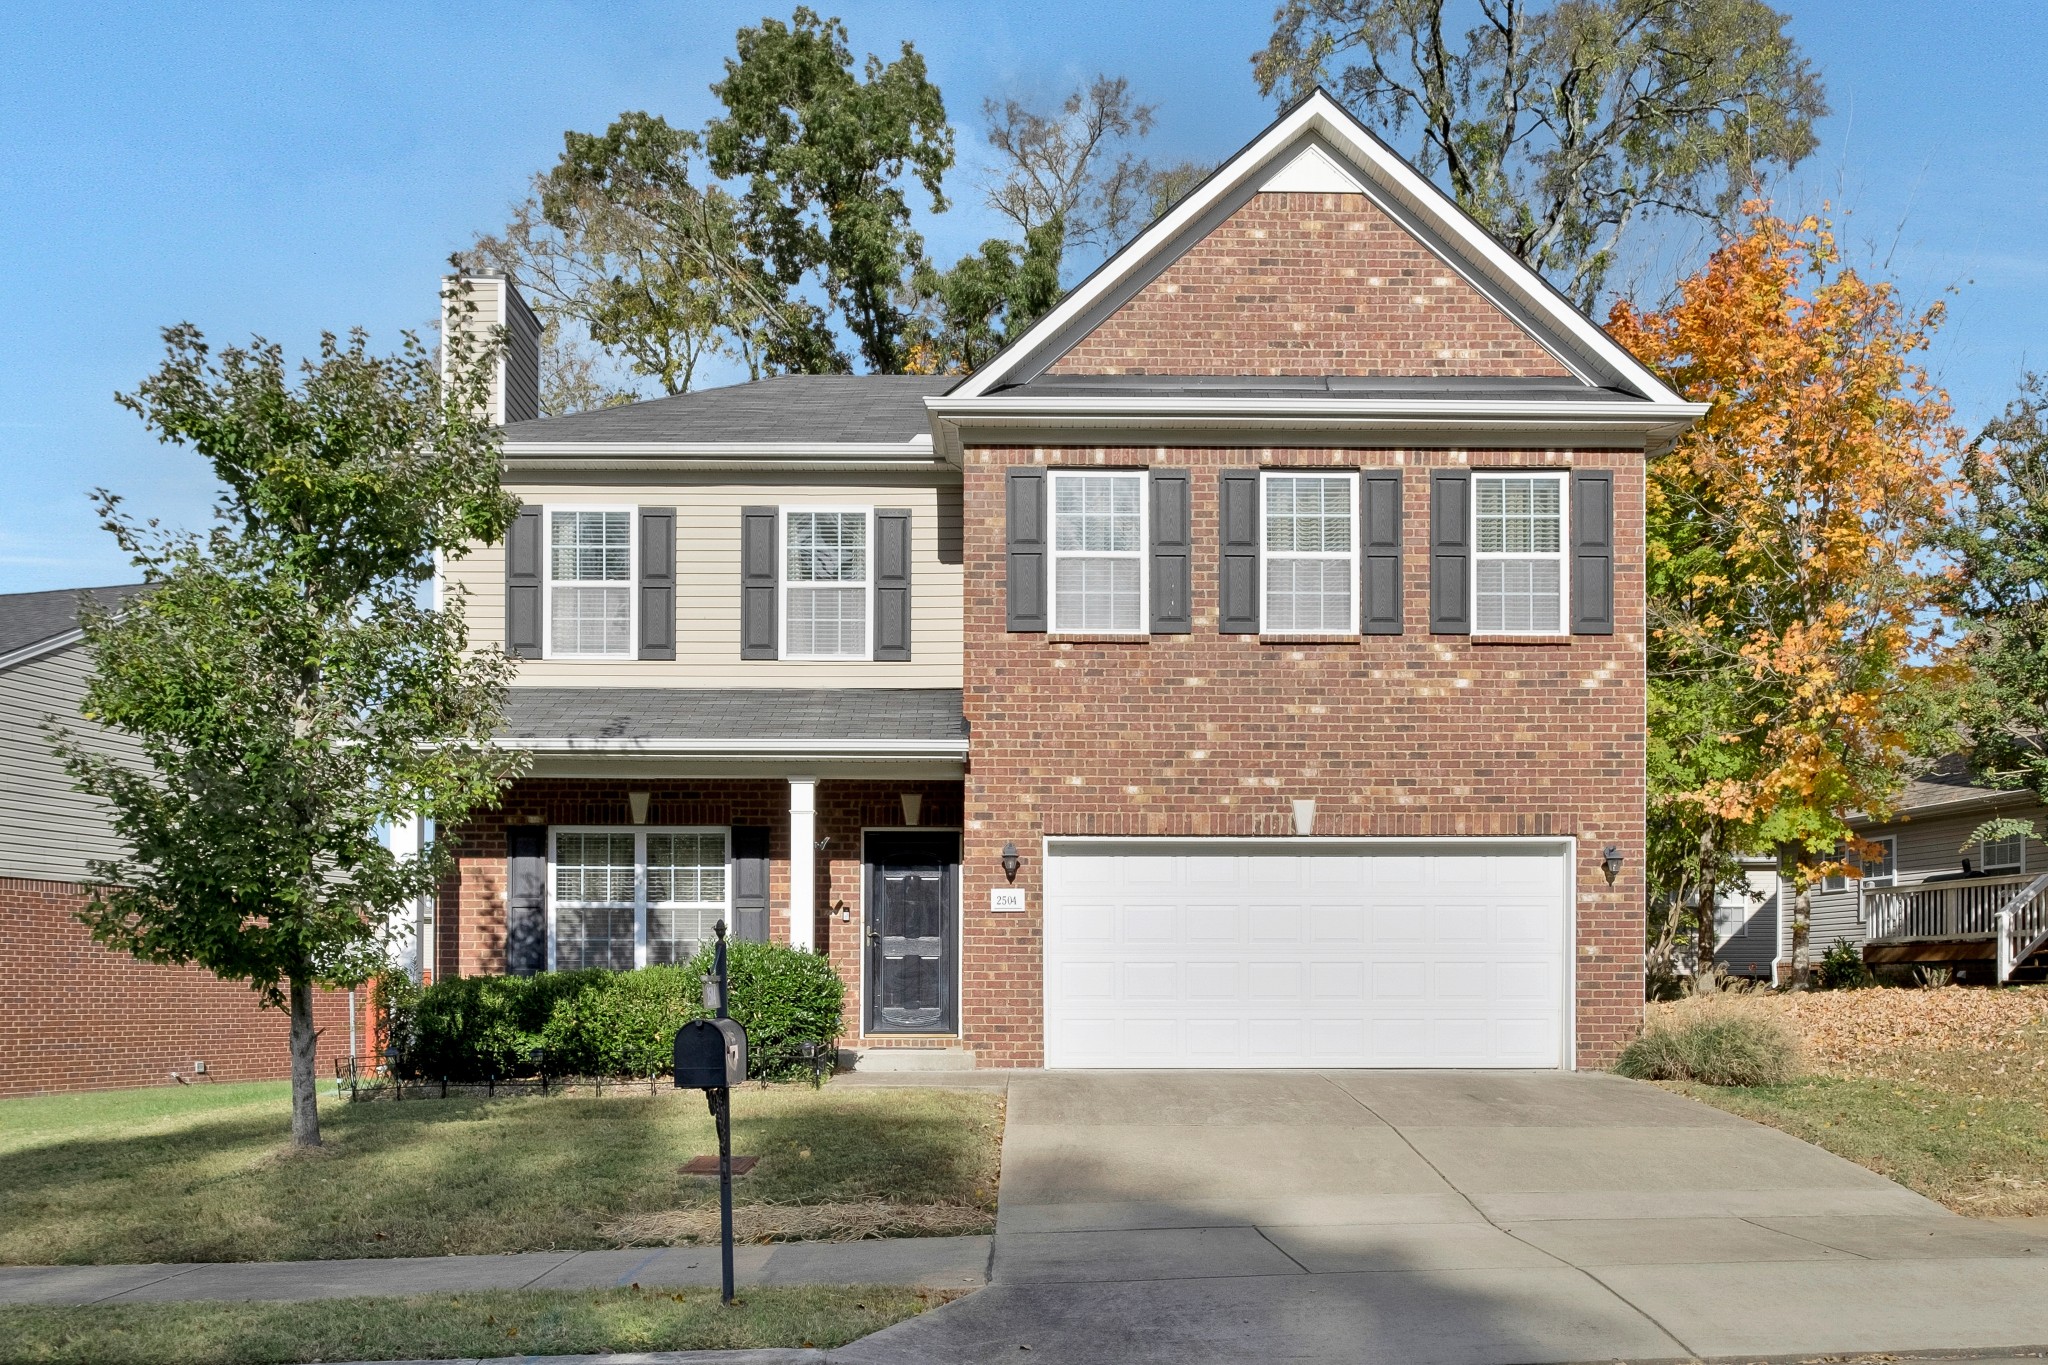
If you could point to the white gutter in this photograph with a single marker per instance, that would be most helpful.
(29, 653)
(1472, 421)
(766, 748)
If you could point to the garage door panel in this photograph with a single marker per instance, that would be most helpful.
(1329, 958)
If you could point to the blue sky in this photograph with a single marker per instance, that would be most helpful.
(284, 169)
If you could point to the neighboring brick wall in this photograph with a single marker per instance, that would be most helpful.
(1309, 284)
(471, 925)
(76, 1016)
(1204, 734)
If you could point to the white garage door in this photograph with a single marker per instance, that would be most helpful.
(1249, 953)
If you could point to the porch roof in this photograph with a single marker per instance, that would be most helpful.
(884, 722)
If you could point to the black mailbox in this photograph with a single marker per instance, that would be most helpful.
(710, 1053)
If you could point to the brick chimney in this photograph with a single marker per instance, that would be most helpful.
(515, 388)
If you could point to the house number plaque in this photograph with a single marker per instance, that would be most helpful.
(1006, 898)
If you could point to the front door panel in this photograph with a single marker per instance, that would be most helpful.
(912, 932)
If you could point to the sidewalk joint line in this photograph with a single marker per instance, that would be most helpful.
(1634, 1307)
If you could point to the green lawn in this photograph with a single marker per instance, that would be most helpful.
(434, 1326)
(205, 1173)
(1972, 1152)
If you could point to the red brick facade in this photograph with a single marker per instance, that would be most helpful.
(1206, 734)
(471, 923)
(1309, 284)
(74, 1016)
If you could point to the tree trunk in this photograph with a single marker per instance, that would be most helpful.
(1802, 909)
(305, 1097)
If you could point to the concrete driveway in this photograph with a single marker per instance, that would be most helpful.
(1452, 1217)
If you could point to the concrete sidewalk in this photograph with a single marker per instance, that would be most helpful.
(924, 1262)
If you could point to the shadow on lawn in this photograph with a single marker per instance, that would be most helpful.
(466, 1176)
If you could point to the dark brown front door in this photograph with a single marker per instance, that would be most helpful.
(912, 881)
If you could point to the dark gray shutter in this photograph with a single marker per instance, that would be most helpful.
(1024, 536)
(1592, 552)
(1450, 552)
(757, 583)
(526, 899)
(525, 560)
(892, 584)
(1173, 549)
(657, 582)
(750, 883)
(1237, 579)
(1379, 552)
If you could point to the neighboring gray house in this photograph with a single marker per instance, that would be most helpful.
(1930, 895)
(54, 831)
(1752, 939)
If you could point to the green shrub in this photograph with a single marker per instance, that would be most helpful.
(612, 1024)
(1718, 1048)
(783, 997)
(1841, 968)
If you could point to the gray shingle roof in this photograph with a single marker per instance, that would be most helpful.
(820, 714)
(826, 408)
(29, 618)
(1950, 783)
(1309, 386)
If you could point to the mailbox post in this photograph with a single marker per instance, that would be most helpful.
(711, 1055)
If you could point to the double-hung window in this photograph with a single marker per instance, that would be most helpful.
(827, 583)
(1098, 552)
(2007, 855)
(633, 898)
(1879, 865)
(590, 582)
(1518, 554)
(1310, 554)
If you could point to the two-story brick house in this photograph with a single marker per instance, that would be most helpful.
(1243, 669)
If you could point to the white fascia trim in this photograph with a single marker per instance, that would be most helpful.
(766, 748)
(1385, 170)
(30, 653)
(1377, 418)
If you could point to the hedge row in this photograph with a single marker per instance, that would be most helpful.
(612, 1024)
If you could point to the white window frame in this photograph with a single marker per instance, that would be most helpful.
(1143, 554)
(2013, 869)
(631, 582)
(783, 583)
(1891, 860)
(1562, 478)
(1350, 558)
(640, 902)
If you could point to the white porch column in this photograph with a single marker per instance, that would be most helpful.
(803, 863)
(408, 947)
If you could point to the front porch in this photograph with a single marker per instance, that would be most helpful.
(824, 819)
(1993, 927)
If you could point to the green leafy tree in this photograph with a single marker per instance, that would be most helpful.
(285, 684)
(1563, 126)
(620, 241)
(2000, 539)
(984, 302)
(825, 151)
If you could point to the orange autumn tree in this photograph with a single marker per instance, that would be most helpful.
(1791, 580)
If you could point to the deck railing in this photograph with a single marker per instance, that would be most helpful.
(1964, 908)
(2022, 926)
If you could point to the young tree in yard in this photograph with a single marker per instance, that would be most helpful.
(1561, 127)
(824, 152)
(286, 685)
(1790, 580)
(2000, 538)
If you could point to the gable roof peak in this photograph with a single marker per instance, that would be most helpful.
(1316, 145)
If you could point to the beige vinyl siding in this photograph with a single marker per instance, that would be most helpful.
(708, 583)
(1923, 847)
(53, 831)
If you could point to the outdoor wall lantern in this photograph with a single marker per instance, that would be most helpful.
(1610, 862)
(913, 807)
(1011, 862)
(638, 802)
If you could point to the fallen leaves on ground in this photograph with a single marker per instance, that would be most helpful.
(1844, 1032)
